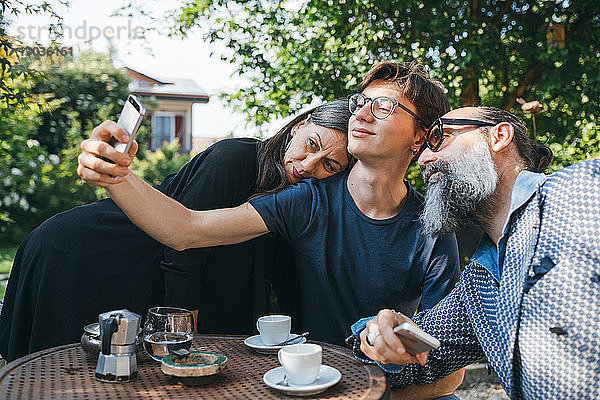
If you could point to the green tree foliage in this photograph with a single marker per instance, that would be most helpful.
(164, 161)
(11, 68)
(41, 138)
(47, 106)
(34, 184)
(26, 169)
(582, 148)
(484, 51)
(89, 87)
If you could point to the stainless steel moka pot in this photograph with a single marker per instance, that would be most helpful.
(117, 361)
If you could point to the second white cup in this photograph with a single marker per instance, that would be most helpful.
(302, 362)
(274, 329)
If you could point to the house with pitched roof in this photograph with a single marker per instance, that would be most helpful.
(172, 118)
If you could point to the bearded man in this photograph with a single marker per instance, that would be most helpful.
(529, 301)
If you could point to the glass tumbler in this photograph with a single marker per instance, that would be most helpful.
(167, 329)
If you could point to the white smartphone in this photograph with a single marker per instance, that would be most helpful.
(415, 339)
(130, 119)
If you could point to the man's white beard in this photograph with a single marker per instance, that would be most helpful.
(461, 190)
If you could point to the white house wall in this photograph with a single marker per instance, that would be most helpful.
(179, 107)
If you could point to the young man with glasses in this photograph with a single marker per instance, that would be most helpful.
(356, 236)
(530, 299)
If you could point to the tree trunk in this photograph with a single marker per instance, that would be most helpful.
(533, 72)
(470, 91)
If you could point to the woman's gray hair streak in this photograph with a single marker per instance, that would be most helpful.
(271, 171)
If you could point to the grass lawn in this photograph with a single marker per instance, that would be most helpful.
(6, 259)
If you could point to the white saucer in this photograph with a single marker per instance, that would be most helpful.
(328, 376)
(256, 344)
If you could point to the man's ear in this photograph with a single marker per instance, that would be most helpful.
(419, 138)
(501, 136)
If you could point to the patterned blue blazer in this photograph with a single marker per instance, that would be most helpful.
(538, 322)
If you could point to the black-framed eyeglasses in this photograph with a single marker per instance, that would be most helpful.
(435, 135)
(381, 107)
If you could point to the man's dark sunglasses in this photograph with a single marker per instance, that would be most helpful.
(435, 134)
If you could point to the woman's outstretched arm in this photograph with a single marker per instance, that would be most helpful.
(161, 217)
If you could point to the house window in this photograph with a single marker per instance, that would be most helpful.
(163, 127)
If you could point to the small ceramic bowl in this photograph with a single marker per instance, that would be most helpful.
(91, 342)
(195, 368)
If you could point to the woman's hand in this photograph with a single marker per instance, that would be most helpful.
(94, 165)
(387, 347)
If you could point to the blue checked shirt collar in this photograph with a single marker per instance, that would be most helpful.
(490, 256)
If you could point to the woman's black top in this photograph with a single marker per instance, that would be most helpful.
(92, 259)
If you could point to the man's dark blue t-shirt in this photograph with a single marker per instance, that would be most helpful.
(350, 265)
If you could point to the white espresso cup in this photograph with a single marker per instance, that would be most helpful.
(274, 329)
(302, 362)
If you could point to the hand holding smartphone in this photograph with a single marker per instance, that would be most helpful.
(415, 339)
(130, 119)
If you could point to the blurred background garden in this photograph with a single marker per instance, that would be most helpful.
(539, 59)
